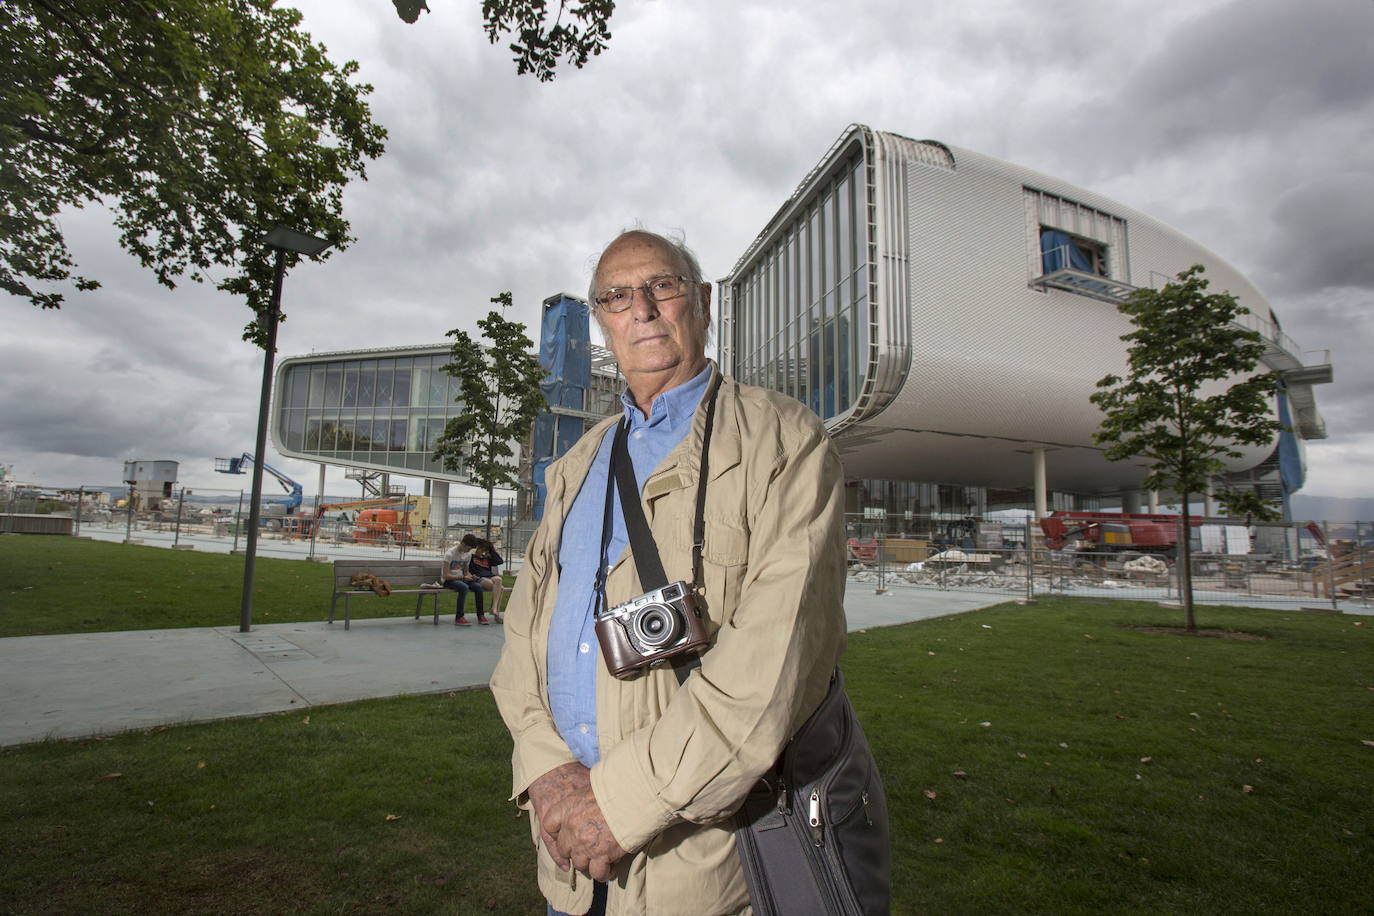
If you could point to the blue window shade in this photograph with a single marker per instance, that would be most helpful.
(1058, 251)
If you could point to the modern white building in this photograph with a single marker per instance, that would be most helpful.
(948, 315)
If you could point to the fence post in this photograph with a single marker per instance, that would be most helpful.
(1364, 592)
(176, 536)
(129, 515)
(1330, 567)
(80, 498)
(238, 520)
(882, 578)
(1030, 568)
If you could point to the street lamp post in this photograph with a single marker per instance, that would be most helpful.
(283, 240)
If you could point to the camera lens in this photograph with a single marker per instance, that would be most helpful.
(657, 625)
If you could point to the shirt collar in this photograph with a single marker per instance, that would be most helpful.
(674, 406)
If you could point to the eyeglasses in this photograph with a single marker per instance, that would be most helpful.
(660, 289)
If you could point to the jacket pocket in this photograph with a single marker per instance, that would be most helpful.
(725, 554)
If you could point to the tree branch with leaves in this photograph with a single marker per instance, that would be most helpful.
(1192, 394)
(537, 44)
(200, 124)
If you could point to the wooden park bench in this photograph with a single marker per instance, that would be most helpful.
(404, 576)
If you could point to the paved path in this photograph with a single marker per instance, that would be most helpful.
(105, 683)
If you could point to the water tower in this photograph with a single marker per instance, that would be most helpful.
(152, 482)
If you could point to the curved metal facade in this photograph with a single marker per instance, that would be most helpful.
(983, 313)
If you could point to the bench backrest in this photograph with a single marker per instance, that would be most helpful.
(397, 573)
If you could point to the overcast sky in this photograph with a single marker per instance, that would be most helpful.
(1248, 125)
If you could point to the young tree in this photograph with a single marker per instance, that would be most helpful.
(499, 391)
(538, 45)
(200, 123)
(1186, 341)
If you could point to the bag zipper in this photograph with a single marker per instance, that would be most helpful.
(814, 819)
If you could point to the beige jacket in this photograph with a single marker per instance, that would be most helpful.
(676, 762)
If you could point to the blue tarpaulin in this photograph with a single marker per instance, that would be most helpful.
(1058, 251)
(566, 354)
(1290, 458)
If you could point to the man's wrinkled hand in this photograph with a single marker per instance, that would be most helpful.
(547, 792)
(583, 837)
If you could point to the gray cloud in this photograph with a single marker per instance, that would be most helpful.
(1244, 124)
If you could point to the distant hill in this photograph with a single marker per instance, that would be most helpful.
(1332, 508)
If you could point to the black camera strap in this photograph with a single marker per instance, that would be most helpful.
(647, 562)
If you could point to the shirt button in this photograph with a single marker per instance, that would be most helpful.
(582, 728)
(584, 648)
(639, 434)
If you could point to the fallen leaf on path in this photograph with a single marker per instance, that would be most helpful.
(1247, 789)
(930, 794)
(112, 776)
(393, 817)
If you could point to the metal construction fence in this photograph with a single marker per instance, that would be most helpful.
(1343, 570)
(224, 516)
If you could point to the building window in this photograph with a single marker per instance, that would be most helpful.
(798, 311)
(1063, 234)
(1061, 251)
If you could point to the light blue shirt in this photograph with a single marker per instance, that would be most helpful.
(573, 651)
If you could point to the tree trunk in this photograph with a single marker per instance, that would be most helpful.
(1185, 573)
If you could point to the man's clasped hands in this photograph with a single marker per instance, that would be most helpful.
(571, 825)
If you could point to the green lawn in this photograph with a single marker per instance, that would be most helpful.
(67, 585)
(1076, 766)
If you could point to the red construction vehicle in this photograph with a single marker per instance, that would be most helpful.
(381, 524)
(367, 527)
(1113, 531)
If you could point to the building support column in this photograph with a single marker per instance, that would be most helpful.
(1042, 496)
(438, 507)
(1154, 502)
(1209, 502)
(1130, 502)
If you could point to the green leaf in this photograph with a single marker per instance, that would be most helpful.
(200, 123)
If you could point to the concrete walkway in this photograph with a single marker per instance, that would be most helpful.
(105, 683)
(54, 687)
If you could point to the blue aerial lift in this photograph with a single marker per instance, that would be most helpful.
(293, 490)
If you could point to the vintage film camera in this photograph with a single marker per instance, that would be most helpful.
(650, 629)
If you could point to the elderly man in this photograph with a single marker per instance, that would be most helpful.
(633, 780)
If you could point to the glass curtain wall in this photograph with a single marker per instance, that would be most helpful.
(801, 312)
(386, 411)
